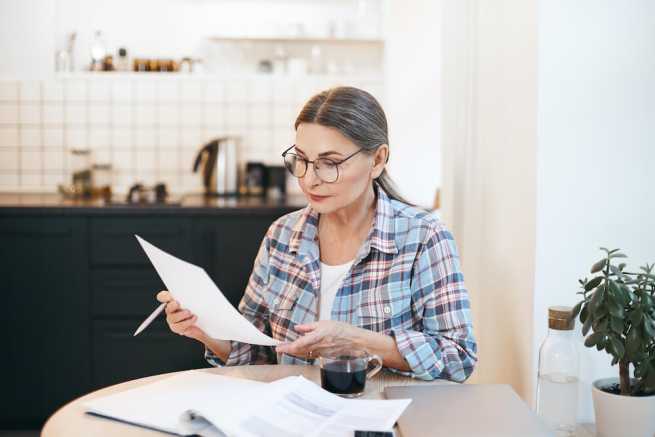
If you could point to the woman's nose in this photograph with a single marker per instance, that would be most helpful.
(310, 176)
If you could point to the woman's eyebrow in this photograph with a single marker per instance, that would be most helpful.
(329, 152)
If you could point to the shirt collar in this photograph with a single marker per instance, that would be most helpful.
(304, 236)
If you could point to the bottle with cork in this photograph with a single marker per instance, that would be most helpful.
(557, 385)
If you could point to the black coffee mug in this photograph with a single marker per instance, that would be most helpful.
(344, 373)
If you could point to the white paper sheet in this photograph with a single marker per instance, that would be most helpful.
(296, 407)
(193, 288)
(164, 404)
(289, 407)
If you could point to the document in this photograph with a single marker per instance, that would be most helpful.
(193, 288)
(213, 405)
(297, 407)
(169, 405)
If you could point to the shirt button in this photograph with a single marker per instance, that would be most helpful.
(276, 301)
(387, 309)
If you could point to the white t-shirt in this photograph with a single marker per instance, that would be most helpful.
(331, 279)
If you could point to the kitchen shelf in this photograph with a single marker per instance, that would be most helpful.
(299, 40)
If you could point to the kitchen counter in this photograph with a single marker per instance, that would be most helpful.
(190, 204)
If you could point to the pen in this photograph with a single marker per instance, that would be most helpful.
(149, 320)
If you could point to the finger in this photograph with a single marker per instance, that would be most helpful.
(309, 327)
(178, 316)
(172, 306)
(187, 324)
(302, 344)
(163, 296)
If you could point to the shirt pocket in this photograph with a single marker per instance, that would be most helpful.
(385, 307)
(286, 303)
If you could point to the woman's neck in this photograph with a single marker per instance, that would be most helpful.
(352, 219)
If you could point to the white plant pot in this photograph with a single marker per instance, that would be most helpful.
(622, 416)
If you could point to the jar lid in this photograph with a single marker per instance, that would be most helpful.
(559, 318)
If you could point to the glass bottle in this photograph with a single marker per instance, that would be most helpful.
(557, 385)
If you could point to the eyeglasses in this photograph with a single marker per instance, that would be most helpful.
(325, 169)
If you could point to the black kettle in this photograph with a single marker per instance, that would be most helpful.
(219, 161)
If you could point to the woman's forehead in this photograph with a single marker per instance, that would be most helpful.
(315, 139)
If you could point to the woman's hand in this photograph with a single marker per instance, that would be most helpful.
(324, 335)
(179, 320)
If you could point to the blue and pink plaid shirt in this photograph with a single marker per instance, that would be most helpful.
(404, 282)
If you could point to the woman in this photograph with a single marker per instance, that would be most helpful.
(358, 267)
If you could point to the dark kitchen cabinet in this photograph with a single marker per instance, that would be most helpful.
(44, 277)
(76, 284)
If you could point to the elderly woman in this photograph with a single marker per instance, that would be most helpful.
(358, 268)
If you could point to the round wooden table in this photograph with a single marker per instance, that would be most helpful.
(71, 419)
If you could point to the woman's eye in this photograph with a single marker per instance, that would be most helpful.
(326, 163)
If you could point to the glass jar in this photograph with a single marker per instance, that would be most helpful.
(557, 385)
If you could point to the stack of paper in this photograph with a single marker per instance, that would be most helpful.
(214, 405)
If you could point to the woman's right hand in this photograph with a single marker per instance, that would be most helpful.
(179, 320)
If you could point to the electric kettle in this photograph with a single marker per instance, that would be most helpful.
(219, 162)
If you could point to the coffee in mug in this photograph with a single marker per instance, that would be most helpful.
(344, 372)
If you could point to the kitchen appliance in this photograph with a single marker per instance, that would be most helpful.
(218, 161)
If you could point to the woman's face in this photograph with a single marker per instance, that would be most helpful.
(355, 175)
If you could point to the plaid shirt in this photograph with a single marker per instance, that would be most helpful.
(405, 282)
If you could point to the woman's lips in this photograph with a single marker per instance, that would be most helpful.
(316, 198)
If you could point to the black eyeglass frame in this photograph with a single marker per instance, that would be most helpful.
(307, 162)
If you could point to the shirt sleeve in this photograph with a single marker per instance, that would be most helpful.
(445, 346)
(254, 308)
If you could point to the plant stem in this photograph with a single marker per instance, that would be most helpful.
(624, 376)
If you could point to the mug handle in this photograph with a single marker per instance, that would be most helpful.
(371, 373)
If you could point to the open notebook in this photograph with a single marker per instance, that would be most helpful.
(212, 405)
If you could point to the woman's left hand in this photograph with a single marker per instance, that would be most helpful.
(321, 336)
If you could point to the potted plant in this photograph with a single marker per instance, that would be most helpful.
(617, 313)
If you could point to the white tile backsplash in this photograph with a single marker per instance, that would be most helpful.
(53, 113)
(30, 113)
(76, 113)
(168, 136)
(8, 158)
(53, 137)
(53, 159)
(121, 115)
(30, 137)
(30, 159)
(76, 90)
(99, 137)
(9, 91)
(9, 136)
(9, 113)
(53, 91)
(76, 138)
(30, 91)
(148, 127)
(100, 114)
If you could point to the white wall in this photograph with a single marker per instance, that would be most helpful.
(26, 38)
(489, 119)
(412, 96)
(596, 151)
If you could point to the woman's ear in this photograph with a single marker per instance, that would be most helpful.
(380, 159)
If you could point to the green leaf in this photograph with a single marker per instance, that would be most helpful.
(595, 282)
(587, 325)
(598, 266)
(584, 313)
(596, 299)
(649, 330)
(622, 266)
(593, 339)
(617, 325)
(636, 316)
(617, 347)
(617, 255)
(616, 309)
